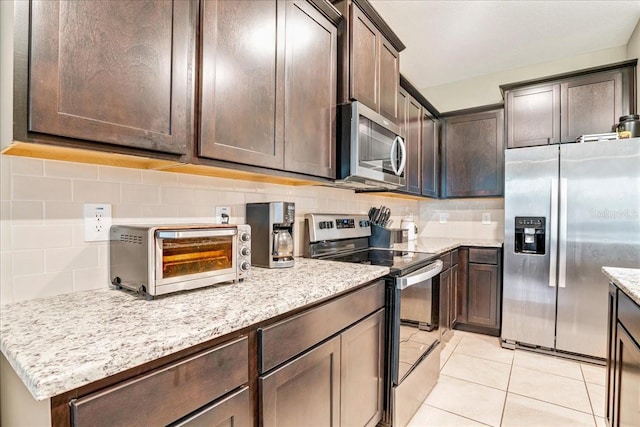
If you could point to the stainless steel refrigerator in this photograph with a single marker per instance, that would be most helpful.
(569, 210)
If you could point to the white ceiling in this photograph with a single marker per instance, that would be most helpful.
(449, 41)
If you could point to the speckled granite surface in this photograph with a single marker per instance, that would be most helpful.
(60, 343)
(627, 279)
(442, 244)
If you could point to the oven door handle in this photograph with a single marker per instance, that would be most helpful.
(419, 276)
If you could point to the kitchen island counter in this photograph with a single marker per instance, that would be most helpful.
(627, 279)
(60, 343)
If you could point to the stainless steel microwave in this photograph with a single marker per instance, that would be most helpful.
(156, 260)
(371, 152)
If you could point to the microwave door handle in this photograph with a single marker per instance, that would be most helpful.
(403, 161)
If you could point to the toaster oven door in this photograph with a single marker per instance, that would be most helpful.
(197, 256)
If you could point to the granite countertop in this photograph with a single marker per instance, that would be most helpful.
(627, 279)
(439, 245)
(60, 343)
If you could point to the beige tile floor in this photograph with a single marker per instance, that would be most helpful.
(483, 384)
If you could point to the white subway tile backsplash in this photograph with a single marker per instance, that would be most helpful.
(96, 191)
(5, 181)
(63, 212)
(42, 285)
(69, 259)
(28, 262)
(159, 212)
(40, 236)
(127, 213)
(27, 166)
(70, 170)
(121, 175)
(151, 177)
(6, 278)
(140, 193)
(90, 278)
(40, 188)
(177, 196)
(27, 212)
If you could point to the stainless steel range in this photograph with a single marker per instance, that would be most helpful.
(413, 335)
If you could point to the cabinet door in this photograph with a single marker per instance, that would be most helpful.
(241, 98)
(483, 295)
(113, 72)
(364, 58)
(413, 168)
(627, 387)
(430, 158)
(232, 411)
(591, 104)
(474, 155)
(310, 91)
(305, 391)
(362, 372)
(462, 285)
(533, 116)
(389, 82)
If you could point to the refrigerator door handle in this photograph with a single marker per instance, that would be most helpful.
(553, 227)
(562, 234)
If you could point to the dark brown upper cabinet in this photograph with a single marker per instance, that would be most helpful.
(269, 85)
(110, 72)
(591, 104)
(430, 158)
(410, 120)
(533, 116)
(561, 108)
(374, 64)
(473, 154)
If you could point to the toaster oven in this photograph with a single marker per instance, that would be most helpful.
(156, 260)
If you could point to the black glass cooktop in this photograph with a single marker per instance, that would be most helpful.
(400, 262)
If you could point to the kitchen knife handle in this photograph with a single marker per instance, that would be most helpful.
(552, 232)
(562, 235)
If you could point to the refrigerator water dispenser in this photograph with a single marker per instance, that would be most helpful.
(530, 235)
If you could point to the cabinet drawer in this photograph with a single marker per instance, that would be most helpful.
(629, 315)
(446, 261)
(292, 336)
(483, 256)
(168, 394)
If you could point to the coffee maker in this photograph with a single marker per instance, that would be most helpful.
(271, 233)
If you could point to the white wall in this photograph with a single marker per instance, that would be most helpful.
(485, 90)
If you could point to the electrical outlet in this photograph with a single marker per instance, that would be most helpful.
(443, 217)
(223, 213)
(486, 218)
(97, 221)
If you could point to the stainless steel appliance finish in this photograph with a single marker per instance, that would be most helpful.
(589, 194)
(159, 259)
(272, 228)
(371, 152)
(412, 304)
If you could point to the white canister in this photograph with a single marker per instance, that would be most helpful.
(408, 224)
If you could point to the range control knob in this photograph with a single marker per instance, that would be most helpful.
(245, 266)
(245, 237)
(245, 251)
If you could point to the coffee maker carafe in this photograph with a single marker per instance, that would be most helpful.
(271, 233)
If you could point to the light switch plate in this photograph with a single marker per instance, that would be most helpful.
(486, 218)
(97, 221)
(223, 213)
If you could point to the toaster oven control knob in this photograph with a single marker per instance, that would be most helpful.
(245, 266)
(245, 237)
(245, 251)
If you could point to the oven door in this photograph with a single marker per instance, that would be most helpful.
(415, 339)
(194, 256)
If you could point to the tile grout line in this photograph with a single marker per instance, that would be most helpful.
(593, 412)
(506, 394)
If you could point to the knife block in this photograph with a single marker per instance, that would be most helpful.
(382, 237)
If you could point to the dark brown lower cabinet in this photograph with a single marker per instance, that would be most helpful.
(479, 285)
(338, 383)
(305, 391)
(623, 361)
(234, 410)
(169, 394)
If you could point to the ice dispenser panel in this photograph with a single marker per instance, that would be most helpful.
(530, 235)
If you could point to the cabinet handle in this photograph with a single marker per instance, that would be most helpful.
(562, 234)
(553, 234)
(403, 161)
